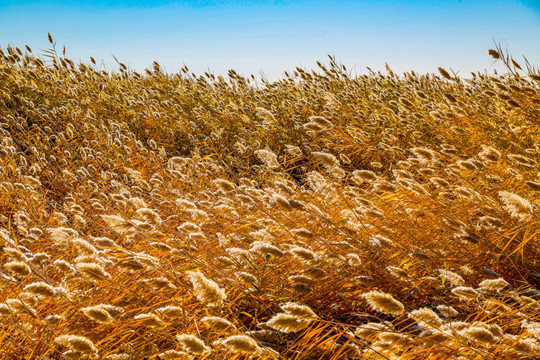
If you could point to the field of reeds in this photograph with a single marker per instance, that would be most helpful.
(322, 216)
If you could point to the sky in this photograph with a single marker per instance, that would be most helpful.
(272, 36)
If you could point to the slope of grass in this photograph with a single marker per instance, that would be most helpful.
(322, 216)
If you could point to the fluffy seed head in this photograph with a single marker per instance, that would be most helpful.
(521, 160)
(465, 292)
(16, 305)
(192, 344)
(372, 328)
(218, 324)
(169, 355)
(315, 272)
(305, 233)
(4, 310)
(98, 313)
(184, 204)
(533, 328)
(444, 73)
(364, 176)
(246, 277)
(287, 323)
(425, 154)
(526, 345)
(241, 344)
(397, 272)
(426, 317)
(433, 337)
(268, 158)
(296, 204)
(84, 247)
(440, 182)
(119, 224)
(282, 202)
(516, 206)
(189, 227)
(150, 216)
(41, 288)
(493, 285)
(265, 114)
(467, 165)
(300, 287)
(489, 154)
(354, 260)
(224, 185)
(18, 268)
(303, 254)
(326, 159)
(171, 312)
(494, 54)
(207, 291)
(76, 343)
(148, 320)
(300, 311)
(319, 120)
(383, 302)
(266, 248)
(451, 277)
(92, 271)
(479, 334)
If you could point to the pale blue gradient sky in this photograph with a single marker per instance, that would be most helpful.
(273, 36)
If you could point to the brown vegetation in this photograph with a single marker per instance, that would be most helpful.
(321, 216)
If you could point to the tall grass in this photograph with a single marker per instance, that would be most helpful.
(321, 216)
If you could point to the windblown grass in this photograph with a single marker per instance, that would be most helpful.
(324, 215)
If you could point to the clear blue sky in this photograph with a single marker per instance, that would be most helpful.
(274, 36)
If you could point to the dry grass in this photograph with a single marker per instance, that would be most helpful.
(322, 216)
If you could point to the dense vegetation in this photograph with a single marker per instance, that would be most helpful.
(321, 216)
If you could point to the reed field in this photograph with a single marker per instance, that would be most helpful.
(325, 215)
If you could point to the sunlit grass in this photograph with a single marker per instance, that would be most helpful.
(324, 215)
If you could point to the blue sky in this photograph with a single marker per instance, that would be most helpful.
(273, 36)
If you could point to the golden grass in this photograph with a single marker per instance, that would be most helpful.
(324, 215)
